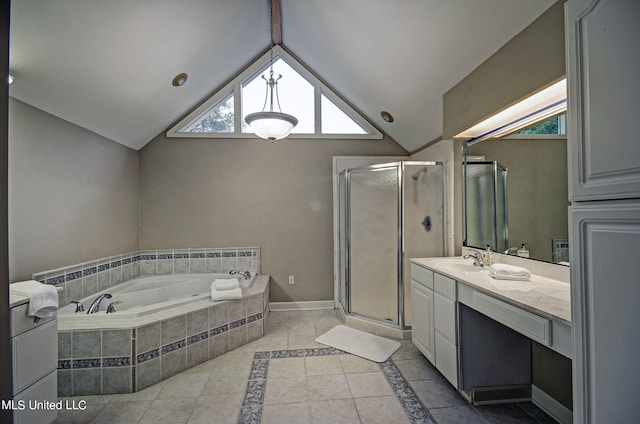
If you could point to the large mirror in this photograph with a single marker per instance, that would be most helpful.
(516, 193)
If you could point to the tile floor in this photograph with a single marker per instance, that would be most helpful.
(286, 377)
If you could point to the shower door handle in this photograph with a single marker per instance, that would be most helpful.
(427, 223)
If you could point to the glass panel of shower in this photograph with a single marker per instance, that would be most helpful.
(485, 206)
(387, 214)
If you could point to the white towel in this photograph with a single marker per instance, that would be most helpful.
(234, 294)
(225, 284)
(43, 298)
(509, 272)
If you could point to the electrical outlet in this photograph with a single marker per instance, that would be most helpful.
(291, 280)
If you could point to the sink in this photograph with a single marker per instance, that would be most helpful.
(460, 265)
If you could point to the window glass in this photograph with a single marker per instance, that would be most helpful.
(555, 125)
(336, 121)
(218, 120)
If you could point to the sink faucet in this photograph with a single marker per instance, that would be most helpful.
(245, 274)
(95, 305)
(476, 256)
(511, 251)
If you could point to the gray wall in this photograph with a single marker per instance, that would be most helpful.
(73, 195)
(530, 61)
(244, 192)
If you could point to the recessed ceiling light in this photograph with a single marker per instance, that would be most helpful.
(386, 116)
(179, 80)
(10, 78)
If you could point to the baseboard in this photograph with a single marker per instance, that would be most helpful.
(302, 306)
(555, 409)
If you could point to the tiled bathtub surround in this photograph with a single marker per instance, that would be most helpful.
(88, 278)
(127, 360)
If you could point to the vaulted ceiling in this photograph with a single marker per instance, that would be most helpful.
(107, 65)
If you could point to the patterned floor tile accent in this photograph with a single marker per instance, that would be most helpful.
(252, 405)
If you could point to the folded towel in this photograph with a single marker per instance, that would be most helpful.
(43, 298)
(509, 272)
(225, 284)
(234, 294)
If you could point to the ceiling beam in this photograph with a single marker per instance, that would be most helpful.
(276, 23)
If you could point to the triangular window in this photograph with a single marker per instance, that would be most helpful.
(320, 112)
(218, 119)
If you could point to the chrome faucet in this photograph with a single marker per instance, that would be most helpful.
(79, 306)
(111, 308)
(476, 256)
(95, 305)
(245, 274)
(511, 251)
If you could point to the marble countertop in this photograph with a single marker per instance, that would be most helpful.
(17, 300)
(541, 295)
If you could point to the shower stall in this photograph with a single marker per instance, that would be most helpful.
(485, 214)
(388, 213)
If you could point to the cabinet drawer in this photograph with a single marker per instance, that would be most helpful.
(447, 359)
(445, 286)
(45, 389)
(29, 362)
(445, 317)
(533, 326)
(20, 322)
(422, 275)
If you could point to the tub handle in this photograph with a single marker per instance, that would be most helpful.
(79, 306)
(111, 308)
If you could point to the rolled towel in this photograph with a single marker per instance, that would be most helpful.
(225, 284)
(43, 298)
(509, 272)
(233, 294)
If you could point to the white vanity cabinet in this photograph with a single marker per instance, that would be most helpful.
(34, 348)
(422, 331)
(445, 327)
(434, 325)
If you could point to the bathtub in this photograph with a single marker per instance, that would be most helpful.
(164, 325)
(147, 295)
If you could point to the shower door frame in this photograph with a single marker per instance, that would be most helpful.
(400, 250)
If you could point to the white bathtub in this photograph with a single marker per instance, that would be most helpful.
(147, 295)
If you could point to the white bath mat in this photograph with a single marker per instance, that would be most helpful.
(359, 343)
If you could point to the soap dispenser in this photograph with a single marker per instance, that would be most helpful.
(523, 252)
(487, 257)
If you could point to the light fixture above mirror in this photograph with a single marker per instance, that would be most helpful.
(542, 105)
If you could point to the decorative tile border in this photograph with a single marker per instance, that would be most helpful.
(252, 404)
(91, 277)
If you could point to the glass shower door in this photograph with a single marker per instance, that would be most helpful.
(373, 195)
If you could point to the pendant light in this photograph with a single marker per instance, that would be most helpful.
(271, 125)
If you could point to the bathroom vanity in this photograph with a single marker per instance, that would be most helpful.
(481, 333)
(34, 355)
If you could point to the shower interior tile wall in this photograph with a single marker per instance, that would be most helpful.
(86, 279)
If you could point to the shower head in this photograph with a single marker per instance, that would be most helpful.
(416, 176)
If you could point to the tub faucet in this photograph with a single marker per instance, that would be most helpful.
(95, 305)
(79, 306)
(245, 274)
(476, 256)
